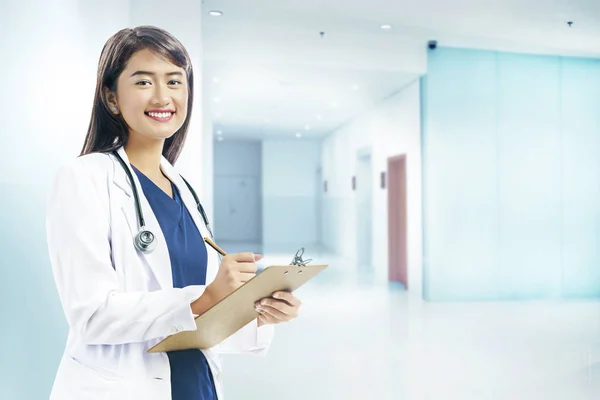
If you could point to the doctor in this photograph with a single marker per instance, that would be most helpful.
(124, 235)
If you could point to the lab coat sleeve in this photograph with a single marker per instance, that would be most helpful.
(249, 339)
(78, 238)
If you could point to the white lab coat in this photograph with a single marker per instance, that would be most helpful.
(119, 302)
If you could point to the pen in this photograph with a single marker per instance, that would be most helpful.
(214, 246)
(222, 252)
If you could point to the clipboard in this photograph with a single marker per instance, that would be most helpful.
(237, 309)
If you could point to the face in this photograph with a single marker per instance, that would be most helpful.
(152, 96)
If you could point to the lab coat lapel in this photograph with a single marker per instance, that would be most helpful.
(158, 260)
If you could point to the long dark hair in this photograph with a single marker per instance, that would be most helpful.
(108, 131)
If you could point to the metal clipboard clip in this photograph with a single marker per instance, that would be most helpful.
(298, 258)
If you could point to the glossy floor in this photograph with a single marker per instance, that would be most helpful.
(358, 340)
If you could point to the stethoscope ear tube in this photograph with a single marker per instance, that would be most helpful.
(199, 206)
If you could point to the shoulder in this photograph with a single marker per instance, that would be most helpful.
(94, 165)
(91, 171)
(79, 193)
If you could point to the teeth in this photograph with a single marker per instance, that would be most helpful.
(160, 115)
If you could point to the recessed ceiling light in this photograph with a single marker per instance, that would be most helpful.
(215, 13)
(219, 132)
(334, 104)
(216, 79)
(220, 138)
(355, 87)
(217, 100)
(298, 135)
(319, 117)
(386, 26)
(307, 127)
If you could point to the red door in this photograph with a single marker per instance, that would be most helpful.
(397, 248)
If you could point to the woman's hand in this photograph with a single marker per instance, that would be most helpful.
(235, 270)
(282, 307)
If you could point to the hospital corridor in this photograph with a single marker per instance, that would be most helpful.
(300, 200)
(370, 341)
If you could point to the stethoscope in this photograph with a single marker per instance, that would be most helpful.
(145, 241)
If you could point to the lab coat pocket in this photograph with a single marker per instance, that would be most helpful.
(91, 382)
(103, 373)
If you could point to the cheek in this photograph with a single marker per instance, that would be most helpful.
(181, 100)
(132, 107)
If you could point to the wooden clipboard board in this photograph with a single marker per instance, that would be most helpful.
(237, 309)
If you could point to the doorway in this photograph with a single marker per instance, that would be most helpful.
(237, 209)
(364, 205)
(397, 220)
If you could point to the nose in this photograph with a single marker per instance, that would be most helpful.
(161, 95)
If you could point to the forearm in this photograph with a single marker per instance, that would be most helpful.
(118, 318)
(204, 302)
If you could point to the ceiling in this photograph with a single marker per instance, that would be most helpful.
(284, 100)
(269, 72)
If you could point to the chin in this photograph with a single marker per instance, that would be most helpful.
(165, 136)
(164, 133)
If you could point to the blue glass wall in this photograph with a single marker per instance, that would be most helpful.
(511, 176)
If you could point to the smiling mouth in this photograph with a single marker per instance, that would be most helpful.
(160, 116)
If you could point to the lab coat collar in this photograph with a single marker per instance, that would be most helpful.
(122, 181)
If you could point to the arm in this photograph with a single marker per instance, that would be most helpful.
(78, 236)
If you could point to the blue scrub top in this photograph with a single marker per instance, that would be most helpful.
(191, 378)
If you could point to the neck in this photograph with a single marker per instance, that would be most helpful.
(145, 156)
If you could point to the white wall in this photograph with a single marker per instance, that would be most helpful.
(290, 193)
(207, 165)
(50, 52)
(238, 163)
(390, 129)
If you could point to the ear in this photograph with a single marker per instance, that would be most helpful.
(111, 101)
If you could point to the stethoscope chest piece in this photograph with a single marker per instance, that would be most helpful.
(145, 241)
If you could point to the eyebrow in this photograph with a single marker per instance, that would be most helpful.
(176, 73)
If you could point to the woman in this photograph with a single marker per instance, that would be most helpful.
(120, 298)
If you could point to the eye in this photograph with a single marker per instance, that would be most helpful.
(174, 82)
(143, 83)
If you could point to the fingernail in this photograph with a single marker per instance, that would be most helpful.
(263, 302)
(276, 295)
